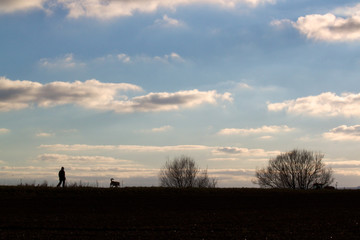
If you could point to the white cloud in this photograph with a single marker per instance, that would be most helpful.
(226, 151)
(131, 148)
(223, 159)
(93, 94)
(244, 152)
(10, 6)
(347, 172)
(108, 9)
(348, 11)
(229, 177)
(323, 105)
(232, 172)
(124, 58)
(344, 133)
(44, 134)
(4, 130)
(169, 58)
(165, 128)
(265, 137)
(242, 85)
(162, 129)
(97, 166)
(64, 62)
(261, 130)
(281, 23)
(344, 164)
(235, 86)
(79, 159)
(168, 22)
(340, 25)
(329, 27)
(118, 8)
(88, 94)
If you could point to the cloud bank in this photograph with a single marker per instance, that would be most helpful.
(263, 129)
(216, 150)
(340, 25)
(344, 133)
(344, 164)
(10, 6)
(244, 152)
(108, 9)
(62, 158)
(93, 94)
(131, 148)
(324, 105)
(329, 27)
(118, 8)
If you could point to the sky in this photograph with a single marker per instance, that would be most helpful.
(115, 88)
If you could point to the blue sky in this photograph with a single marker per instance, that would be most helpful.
(113, 89)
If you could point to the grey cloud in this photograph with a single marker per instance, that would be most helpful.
(232, 150)
(163, 99)
(330, 27)
(244, 152)
(350, 26)
(353, 130)
(169, 101)
(152, 101)
(93, 94)
(339, 25)
(344, 133)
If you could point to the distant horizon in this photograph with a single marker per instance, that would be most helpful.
(112, 89)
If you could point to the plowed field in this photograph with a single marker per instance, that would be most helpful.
(159, 213)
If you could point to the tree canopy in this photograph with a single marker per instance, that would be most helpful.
(183, 172)
(297, 169)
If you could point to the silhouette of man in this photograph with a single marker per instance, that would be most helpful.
(62, 177)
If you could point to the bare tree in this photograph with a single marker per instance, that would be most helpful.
(183, 172)
(297, 169)
(204, 181)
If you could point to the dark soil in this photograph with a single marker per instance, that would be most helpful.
(160, 213)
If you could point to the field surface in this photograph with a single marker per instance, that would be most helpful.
(158, 213)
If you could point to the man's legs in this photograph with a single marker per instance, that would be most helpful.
(63, 183)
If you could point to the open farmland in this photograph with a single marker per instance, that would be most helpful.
(159, 213)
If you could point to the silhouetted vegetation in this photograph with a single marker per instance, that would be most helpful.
(174, 213)
(183, 172)
(297, 169)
